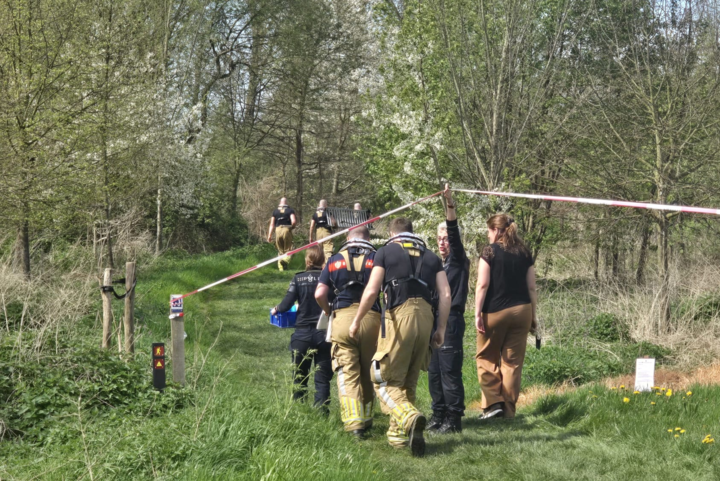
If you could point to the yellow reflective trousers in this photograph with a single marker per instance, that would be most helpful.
(327, 246)
(351, 362)
(400, 357)
(283, 242)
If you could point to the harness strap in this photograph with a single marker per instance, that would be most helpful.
(396, 283)
(357, 277)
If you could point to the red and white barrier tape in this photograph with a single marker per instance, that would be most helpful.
(317, 242)
(614, 203)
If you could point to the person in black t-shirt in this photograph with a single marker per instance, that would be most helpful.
(410, 275)
(282, 222)
(306, 336)
(505, 312)
(445, 370)
(346, 274)
(323, 222)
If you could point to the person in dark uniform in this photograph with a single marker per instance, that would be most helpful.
(323, 222)
(445, 371)
(410, 275)
(346, 274)
(307, 343)
(282, 222)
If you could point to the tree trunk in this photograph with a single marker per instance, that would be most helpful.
(642, 256)
(159, 218)
(104, 139)
(596, 258)
(336, 180)
(25, 247)
(299, 175)
(615, 258)
(664, 263)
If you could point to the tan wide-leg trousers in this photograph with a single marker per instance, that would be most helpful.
(400, 357)
(327, 246)
(283, 242)
(500, 356)
(351, 361)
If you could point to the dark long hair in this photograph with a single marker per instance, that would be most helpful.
(507, 234)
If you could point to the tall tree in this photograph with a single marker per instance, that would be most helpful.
(41, 97)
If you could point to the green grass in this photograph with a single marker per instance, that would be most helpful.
(240, 423)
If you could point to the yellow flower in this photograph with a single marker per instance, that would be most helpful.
(652, 403)
(655, 387)
(669, 393)
(669, 430)
(626, 399)
(662, 389)
(636, 392)
(682, 431)
(677, 435)
(689, 393)
(658, 394)
(622, 386)
(678, 429)
(613, 388)
(708, 440)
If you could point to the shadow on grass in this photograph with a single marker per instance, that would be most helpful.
(440, 446)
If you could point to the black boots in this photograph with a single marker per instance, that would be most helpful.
(452, 424)
(445, 423)
(435, 421)
(417, 441)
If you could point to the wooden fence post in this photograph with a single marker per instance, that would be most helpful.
(177, 333)
(129, 318)
(107, 309)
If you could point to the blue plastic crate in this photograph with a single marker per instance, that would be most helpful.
(284, 319)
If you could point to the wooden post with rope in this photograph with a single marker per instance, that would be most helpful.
(107, 308)
(129, 317)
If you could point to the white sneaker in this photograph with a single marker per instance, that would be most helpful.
(494, 412)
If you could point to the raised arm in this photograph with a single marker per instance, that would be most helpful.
(445, 299)
(481, 288)
(449, 204)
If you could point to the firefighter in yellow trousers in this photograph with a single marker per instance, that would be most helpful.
(282, 222)
(346, 274)
(410, 276)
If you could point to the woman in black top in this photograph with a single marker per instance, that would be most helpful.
(505, 307)
(307, 342)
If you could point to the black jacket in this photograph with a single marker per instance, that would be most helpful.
(302, 290)
(457, 268)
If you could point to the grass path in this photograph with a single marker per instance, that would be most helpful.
(587, 434)
(242, 424)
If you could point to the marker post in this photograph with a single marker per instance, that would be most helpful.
(177, 333)
(158, 361)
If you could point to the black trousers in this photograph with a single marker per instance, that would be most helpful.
(445, 370)
(301, 343)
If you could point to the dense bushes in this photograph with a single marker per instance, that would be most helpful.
(40, 395)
